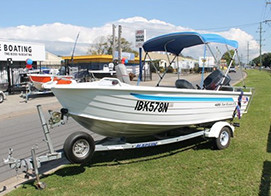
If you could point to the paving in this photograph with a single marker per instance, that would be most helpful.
(20, 128)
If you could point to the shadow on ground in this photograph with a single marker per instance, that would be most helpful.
(123, 157)
(264, 188)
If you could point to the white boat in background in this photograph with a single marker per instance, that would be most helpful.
(45, 81)
(112, 108)
(107, 71)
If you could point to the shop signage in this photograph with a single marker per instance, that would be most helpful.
(20, 51)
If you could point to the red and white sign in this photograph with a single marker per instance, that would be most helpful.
(140, 38)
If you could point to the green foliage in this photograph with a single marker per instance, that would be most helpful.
(154, 63)
(170, 69)
(196, 68)
(266, 60)
(227, 57)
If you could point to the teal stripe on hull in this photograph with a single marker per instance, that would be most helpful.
(192, 99)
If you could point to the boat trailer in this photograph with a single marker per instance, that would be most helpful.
(80, 146)
(30, 91)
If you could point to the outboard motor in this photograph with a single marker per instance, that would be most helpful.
(82, 76)
(183, 84)
(212, 81)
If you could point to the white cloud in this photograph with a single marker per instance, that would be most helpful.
(59, 38)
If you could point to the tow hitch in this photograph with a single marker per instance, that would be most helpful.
(31, 165)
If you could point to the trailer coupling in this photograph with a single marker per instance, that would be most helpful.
(30, 166)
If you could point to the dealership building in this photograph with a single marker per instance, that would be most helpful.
(14, 56)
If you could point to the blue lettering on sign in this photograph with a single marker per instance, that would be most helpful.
(146, 145)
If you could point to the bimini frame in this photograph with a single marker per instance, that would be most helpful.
(174, 43)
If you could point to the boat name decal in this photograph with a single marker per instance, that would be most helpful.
(146, 145)
(224, 104)
(151, 106)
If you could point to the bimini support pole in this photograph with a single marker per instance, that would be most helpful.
(216, 61)
(231, 62)
(241, 70)
(203, 65)
(147, 54)
(170, 62)
(161, 78)
(178, 68)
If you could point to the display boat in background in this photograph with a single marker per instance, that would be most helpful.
(112, 108)
(45, 81)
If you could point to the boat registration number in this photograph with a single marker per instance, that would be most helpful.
(151, 106)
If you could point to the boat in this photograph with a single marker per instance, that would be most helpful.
(112, 108)
(44, 81)
(4, 86)
(107, 71)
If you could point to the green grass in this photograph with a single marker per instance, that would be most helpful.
(187, 168)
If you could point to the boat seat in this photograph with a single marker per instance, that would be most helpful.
(181, 83)
(226, 88)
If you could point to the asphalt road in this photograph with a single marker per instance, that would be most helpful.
(20, 126)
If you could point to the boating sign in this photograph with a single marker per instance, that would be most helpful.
(20, 51)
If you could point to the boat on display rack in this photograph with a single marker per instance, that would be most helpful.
(112, 108)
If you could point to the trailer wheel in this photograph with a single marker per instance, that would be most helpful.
(79, 147)
(224, 138)
(1, 97)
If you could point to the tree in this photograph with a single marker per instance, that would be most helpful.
(103, 45)
(228, 58)
(266, 60)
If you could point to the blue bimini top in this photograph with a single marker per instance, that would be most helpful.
(176, 42)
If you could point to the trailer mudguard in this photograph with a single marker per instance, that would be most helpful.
(216, 128)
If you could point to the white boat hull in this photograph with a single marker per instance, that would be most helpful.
(131, 111)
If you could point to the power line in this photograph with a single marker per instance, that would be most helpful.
(227, 27)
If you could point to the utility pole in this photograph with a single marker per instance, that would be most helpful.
(113, 41)
(260, 31)
(119, 45)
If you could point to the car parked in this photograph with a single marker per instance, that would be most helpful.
(232, 69)
(2, 96)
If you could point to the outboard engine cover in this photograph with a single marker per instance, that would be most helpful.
(212, 81)
(183, 84)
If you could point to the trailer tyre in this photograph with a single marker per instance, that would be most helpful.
(224, 138)
(1, 97)
(79, 147)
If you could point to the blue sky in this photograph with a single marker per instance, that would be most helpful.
(211, 15)
(195, 14)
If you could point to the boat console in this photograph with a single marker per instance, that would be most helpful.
(181, 83)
